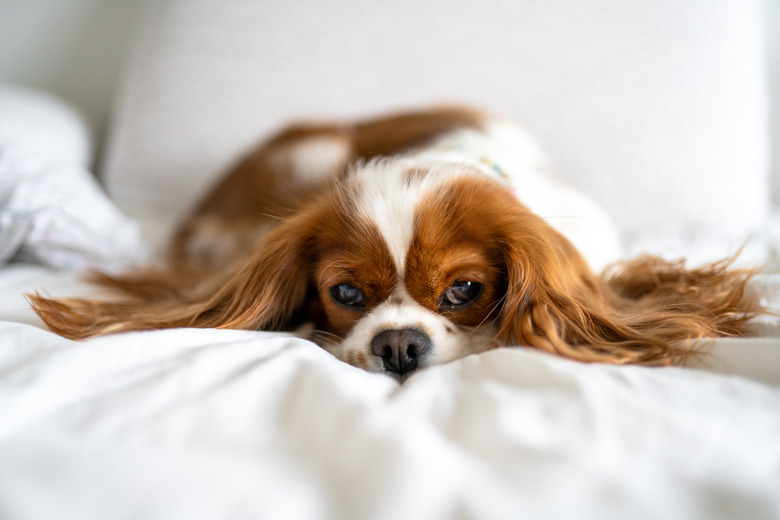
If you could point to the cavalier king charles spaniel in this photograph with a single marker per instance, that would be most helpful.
(412, 240)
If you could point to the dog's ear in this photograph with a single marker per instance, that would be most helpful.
(648, 311)
(553, 300)
(269, 288)
(263, 292)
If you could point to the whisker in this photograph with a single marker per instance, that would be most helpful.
(325, 338)
(499, 302)
(327, 333)
(325, 283)
(336, 275)
(274, 217)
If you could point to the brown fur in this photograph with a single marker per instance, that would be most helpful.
(538, 288)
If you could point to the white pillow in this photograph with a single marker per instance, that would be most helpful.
(656, 109)
(52, 210)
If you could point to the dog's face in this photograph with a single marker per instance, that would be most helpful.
(411, 275)
(408, 265)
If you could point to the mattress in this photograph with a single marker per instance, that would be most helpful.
(203, 423)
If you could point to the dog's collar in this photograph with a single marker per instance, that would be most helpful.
(483, 163)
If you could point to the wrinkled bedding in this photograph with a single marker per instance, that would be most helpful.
(52, 209)
(237, 424)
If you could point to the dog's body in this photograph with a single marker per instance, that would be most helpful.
(414, 240)
(306, 159)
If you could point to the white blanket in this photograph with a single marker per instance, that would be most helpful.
(52, 210)
(185, 424)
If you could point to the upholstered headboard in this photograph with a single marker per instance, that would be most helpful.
(657, 108)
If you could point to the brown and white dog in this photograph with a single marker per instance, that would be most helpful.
(414, 240)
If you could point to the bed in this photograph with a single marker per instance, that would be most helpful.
(199, 423)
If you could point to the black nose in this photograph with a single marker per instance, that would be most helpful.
(401, 349)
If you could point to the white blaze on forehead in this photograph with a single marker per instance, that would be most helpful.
(388, 198)
(389, 193)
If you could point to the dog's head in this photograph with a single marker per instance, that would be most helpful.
(404, 265)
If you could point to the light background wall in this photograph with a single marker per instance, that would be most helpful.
(772, 30)
(72, 48)
(75, 48)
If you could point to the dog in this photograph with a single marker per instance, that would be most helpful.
(412, 240)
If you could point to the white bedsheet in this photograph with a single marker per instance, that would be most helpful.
(191, 424)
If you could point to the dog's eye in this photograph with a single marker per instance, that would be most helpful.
(348, 295)
(460, 294)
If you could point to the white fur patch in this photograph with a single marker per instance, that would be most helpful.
(314, 159)
(389, 196)
(387, 200)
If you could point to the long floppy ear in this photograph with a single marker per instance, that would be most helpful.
(647, 311)
(264, 292)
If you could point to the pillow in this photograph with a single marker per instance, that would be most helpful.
(656, 109)
(52, 210)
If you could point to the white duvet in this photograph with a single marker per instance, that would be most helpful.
(191, 424)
